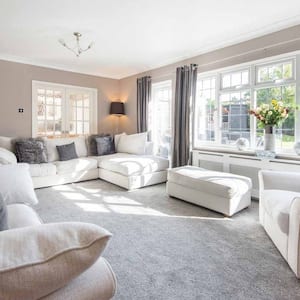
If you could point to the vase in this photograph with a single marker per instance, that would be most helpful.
(270, 138)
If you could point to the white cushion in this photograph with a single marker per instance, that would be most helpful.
(6, 142)
(21, 215)
(217, 183)
(16, 184)
(80, 145)
(129, 164)
(277, 204)
(41, 259)
(7, 157)
(40, 170)
(133, 143)
(76, 165)
(117, 139)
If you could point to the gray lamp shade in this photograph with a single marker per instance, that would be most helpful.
(117, 108)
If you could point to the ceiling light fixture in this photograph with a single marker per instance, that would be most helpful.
(77, 50)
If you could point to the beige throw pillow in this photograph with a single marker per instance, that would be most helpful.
(38, 260)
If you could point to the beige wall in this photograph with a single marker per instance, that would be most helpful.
(277, 43)
(15, 92)
(16, 78)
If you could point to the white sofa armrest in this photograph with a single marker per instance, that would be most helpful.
(279, 180)
(294, 237)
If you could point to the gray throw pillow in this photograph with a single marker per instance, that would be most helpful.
(67, 152)
(105, 145)
(31, 151)
(3, 215)
(92, 144)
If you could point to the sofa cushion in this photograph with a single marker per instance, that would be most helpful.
(7, 157)
(31, 151)
(129, 164)
(21, 215)
(217, 183)
(277, 204)
(16, 184)
(41, 259)
(66, 152)
(40, 170)
(133, 143)
(75, 165)
(80, 145)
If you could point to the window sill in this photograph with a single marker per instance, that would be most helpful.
(280, 156)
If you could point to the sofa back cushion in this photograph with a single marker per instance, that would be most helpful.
(6, 142)
(80, 146)
(133, 143)
(7, 157)
(47, 257)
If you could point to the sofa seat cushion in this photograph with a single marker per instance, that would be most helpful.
(277, 204)
(40, 170)
(76, 165)
(130, 164)
(21, 215)
(221, 184)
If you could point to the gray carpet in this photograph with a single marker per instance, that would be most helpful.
(167, 249)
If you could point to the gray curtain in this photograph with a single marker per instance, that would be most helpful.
(186, 79)
(143, 99)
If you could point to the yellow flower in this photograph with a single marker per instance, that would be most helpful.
(274, 102)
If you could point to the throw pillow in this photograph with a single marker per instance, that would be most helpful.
(16, 184)
(47, 257)
(31, 151)
(67, 152)
(3, 215)
(133, 143)
(105, 145)
(92, 144)
(7, 157)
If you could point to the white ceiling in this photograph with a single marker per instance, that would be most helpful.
(132, 36)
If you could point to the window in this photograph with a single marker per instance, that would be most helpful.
(224, 98)
(205, 110)
(160, 117)
(60, 110)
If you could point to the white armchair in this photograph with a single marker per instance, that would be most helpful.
(279, 213)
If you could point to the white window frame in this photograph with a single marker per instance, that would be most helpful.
(157, 84)
(253, 86)
(66, 89)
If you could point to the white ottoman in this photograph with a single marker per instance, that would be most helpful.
(223, 192)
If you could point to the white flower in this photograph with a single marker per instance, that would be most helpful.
(280, 103)
(270, 113)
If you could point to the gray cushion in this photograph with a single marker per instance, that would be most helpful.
(105, 145)
(92, 144)
(3, 215)
(31, 151)
(67, 152)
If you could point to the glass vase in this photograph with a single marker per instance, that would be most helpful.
(270, 138)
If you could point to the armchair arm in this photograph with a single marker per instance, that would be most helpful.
(279, 180)
(293, 256)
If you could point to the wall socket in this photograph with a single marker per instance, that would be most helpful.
(21, 110)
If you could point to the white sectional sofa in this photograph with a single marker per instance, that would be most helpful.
(127, 170)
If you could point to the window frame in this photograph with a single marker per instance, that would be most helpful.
(253, 86)
(66, 89)
(163, 83)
